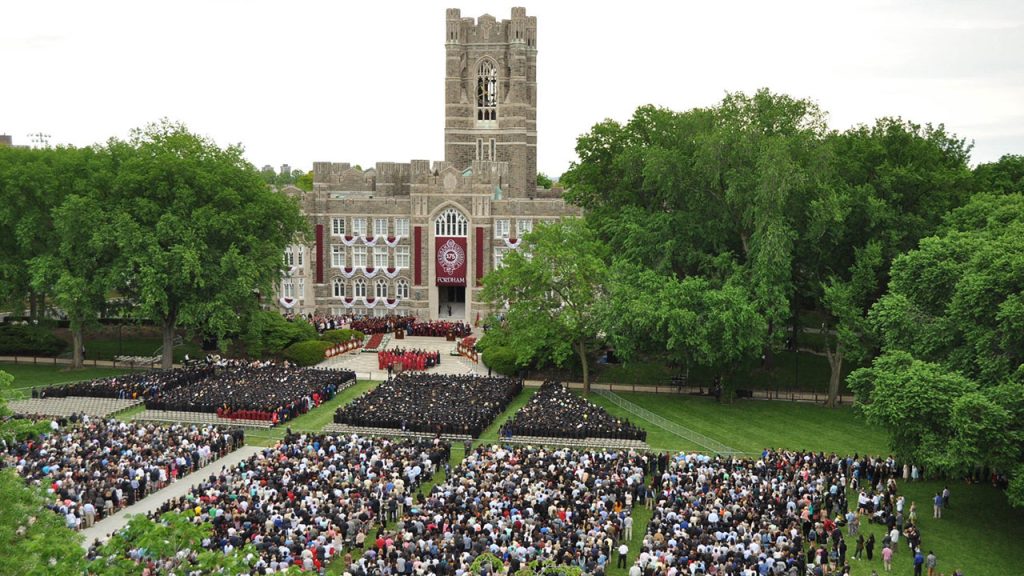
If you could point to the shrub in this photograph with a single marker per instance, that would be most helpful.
(268, 333)
(341, 336)
(29, 340)
(307, 353)
(501, 359)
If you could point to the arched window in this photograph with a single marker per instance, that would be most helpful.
(487, 91)
(360, 288)
(381, 289)
(338, 288)
(451, 222)
(402, 289)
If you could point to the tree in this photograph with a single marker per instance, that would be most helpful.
(35, 540)
(32, 182)
(1005, 176)
(77, 268)
(305, 181)
(551, 286)
(544, 181)
(197, 230)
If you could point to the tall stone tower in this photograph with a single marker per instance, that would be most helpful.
(491, 96)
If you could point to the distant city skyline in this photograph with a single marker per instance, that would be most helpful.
(326, 81)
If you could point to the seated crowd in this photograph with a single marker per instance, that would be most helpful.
(520, 504)
(92, 467)
(556, 411)
(307, 497)
(401, 360)
(255, 392)
(128, 386)
(749, 517)
(435, 403)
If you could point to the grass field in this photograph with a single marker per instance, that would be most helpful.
(108, 348)
(27, 376)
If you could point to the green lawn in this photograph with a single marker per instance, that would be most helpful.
(752, 425)
(791, 371)
(27, 376)
(107, 348)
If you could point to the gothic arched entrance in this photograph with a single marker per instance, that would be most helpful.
(451, 263)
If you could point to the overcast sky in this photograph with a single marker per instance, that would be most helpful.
(301, 81)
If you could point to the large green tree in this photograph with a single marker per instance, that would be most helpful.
(198, 231)
(549, 289)
(77, 267)
(949, 384)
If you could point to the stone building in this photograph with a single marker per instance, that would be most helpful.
(418, 237)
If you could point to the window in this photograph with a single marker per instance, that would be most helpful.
(301, 292)
(487, 91)
(451, 222)
(337, 256)
(401, 256)
(479, 148)
(338, 226)
(401, 226)
(338, 288)
(499, 257)
(359, 226)
(402, 289)
(359, 256)
(380, 257)
(381, 289)
(493, 151)
(380, 312)
(287, 289)
(501, 228)
(359, 288)
(380, 226)
(523, 226)
(289, 256)
(299, 252)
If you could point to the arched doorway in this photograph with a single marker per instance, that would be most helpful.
(451, 263)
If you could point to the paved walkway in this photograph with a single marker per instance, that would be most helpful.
(364, 364)
(104, 528)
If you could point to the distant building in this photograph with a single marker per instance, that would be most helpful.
(286, 170)
(418, 237)
(6, 140)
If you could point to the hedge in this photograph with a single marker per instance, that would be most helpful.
(29, 340)
(307, 353)
(341, 336)
(501, 359)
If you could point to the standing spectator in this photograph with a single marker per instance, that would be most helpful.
(930, 561)
(945, 496)
(918, 562)
(870, 546)
(623, 550)
(887, 558)
(937, 506)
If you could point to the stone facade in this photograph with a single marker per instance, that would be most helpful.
(483, 195)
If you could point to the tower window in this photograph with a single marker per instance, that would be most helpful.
(487, 91)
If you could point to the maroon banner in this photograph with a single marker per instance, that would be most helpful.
(417, 249)
(319, 253)
(479, 254)
(450, 261)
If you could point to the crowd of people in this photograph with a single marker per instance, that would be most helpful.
(92, 468)
(305, 499)
(400, 360)
(556, 411)
(784, 513)
(255, 391)
(128, 386)
(520, 504)
(434, 403)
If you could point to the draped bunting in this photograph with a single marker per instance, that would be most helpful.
(370, 240)
(370, 301)
(348, 240)
(513, 243)
(392, 272)
(392, 241)
(391, 303)
(370, 271)
(348, 272)
(287, 302)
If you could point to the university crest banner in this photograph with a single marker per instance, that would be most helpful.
(450, 255)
